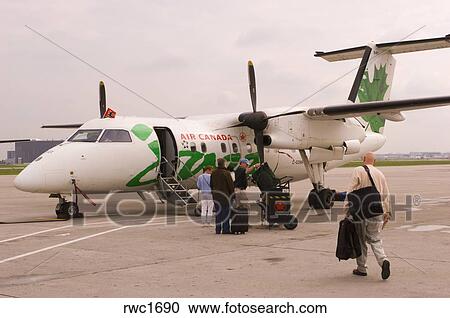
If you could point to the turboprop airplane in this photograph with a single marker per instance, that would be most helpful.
(135, 154)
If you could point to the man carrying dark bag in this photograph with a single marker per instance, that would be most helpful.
(368, 204)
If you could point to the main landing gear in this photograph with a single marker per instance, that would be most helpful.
(319, 197)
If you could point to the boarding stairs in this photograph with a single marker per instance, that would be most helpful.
(170, 187)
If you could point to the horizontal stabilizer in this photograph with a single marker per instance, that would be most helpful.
(375, 108)
(392, 47)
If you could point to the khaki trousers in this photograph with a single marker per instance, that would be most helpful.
(369, 232)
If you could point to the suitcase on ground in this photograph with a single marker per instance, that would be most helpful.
(239, 221)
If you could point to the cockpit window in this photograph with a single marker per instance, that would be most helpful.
(115, 135)
(86, 135)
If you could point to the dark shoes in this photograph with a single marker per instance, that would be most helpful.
(358, 273)
(386, 270)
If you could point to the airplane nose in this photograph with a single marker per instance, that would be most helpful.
(31, 179)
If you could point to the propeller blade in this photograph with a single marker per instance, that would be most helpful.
(63, 126)
(286, 114)
(252, 84)
(259, 140)
(13, 140)
(102, 101)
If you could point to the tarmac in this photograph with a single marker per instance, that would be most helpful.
(171, 255)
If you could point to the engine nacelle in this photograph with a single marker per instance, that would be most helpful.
(352, 146)
(300, 132)
(278, 142)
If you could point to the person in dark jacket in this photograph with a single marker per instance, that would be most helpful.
(241, 181)
(222, 189)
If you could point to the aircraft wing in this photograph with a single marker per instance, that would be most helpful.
(63, 126)
(7, 141)
(375, 108)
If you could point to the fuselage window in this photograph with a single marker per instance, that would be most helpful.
(224, 147)
(193, 147)
(249, 148)
(115, 135)
(85, 135)
(235, 147)
(203, 146)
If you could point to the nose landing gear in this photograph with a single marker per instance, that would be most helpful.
(66, 210)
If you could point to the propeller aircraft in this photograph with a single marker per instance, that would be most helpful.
(136, 154)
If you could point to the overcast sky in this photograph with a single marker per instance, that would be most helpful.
(190, 58)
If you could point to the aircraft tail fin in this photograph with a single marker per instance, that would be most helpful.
(373, 80)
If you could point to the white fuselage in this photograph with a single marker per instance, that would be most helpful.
(101, 167)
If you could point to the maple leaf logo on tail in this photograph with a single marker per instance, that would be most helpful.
(375, 90)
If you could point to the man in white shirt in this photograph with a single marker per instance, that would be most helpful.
(369, 229)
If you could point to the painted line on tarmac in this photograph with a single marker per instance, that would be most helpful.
(66, 226)
(48, 248)
(35, 233)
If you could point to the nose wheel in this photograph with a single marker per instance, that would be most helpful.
(68, 210)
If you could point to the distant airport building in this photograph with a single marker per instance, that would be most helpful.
(27, 151)
(10, 157)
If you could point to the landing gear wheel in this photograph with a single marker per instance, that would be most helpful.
(313, 199)
(61, 211)
(327, 198)
(323, 199)
(68, 210)
(291, 225)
